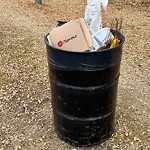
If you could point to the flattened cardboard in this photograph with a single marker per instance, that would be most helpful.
(72, 36)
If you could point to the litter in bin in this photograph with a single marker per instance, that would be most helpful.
(72, 36)
(86, 34)
(93, 15)
(117, 25)
(101, 39)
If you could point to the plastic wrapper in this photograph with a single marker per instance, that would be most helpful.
(101, 38)
(93, 15)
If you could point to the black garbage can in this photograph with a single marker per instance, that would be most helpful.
(84, 91)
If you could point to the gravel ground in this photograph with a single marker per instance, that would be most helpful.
(25, 108)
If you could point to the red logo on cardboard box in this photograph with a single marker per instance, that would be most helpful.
(60, 43)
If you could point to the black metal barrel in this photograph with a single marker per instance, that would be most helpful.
(84, 91)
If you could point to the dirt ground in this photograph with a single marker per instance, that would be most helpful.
(26, 118)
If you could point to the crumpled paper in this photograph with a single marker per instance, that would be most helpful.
(93, 15)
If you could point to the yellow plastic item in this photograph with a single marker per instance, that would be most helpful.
(114, 42)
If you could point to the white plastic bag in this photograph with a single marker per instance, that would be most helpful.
(93, 16)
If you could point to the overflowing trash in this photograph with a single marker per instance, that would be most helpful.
(101, 38)
(93, 15)
(86, 34)
(117, 25)
(73, 36)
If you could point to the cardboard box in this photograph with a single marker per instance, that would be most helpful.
(72, 36)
